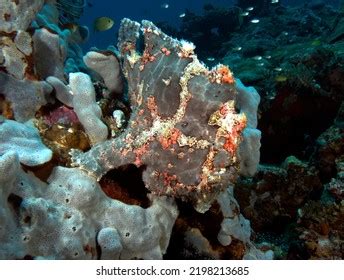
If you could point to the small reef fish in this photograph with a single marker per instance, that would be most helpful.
(103, 24)
(182, 15)
(236, 49)
(255, 20)
(165, 5)
(257, 57)
(316, 43)
(281, 78)
(250, 9)
(210, 58)
(278, 69)
(274, 1)
(245, 14)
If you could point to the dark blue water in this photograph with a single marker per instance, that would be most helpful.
(138, 10)
(151, 10)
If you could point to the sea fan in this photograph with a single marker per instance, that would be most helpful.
(70, 10)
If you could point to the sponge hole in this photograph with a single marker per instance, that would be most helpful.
(27, 220)
(67, 216)
(26, 238)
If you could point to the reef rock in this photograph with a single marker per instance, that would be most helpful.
(319, 232)
(274, 194)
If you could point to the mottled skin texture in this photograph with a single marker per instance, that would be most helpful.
(184, 127)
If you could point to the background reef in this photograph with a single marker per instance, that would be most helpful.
(153, 147)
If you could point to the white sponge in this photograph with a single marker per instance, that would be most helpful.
(86, 107)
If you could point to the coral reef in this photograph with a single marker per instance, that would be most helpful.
(189, 133)
(144, 151)
(319, 232)
(293, 56)
(299, 76)
(209, 30)
(274, 195)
